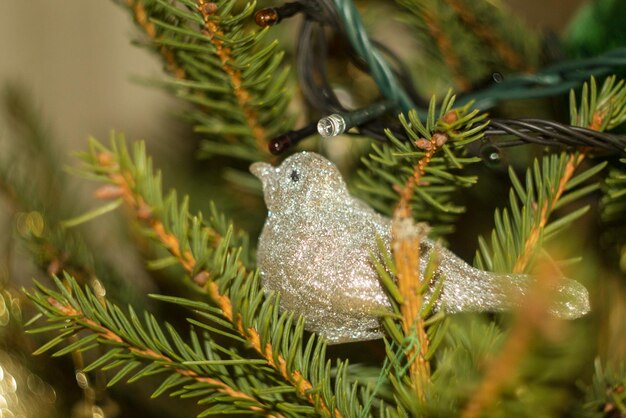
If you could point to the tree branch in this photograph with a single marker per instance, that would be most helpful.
(215, 34)
(512, 59)
(406, 237)
(530, 318)
(124, 184)
(530, 246)
(447, 50)
(141, 17)
(78, 317)
(533, 314)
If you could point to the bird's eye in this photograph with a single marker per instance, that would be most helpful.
(295, 176)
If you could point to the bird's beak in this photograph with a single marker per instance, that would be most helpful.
(262, 171)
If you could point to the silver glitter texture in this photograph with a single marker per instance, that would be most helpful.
(315, 251)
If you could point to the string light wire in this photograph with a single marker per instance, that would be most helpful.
(549, 81)
(396, 84)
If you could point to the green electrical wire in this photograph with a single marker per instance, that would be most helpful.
(549, 81)
(387, 82)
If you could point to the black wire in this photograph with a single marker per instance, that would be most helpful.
(312, 64)
(312, 68)
(550, 133)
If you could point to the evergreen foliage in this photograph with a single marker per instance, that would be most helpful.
(606, 395)
(225, 70)
(235, 352)
(391, 165)
(194, 369)
(614, 210)
(447, 29)
(548, 186)
(212, 259)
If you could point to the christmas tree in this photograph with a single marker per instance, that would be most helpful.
(462, 255)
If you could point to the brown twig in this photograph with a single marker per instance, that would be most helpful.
(406, 239)
(533, 315)
(406, 193)
(573, 162)
(109, 335)
(447, 50)
(244, 98)
(406, 251)
(212, 30)
(124, 187)
(512, 59)
(141, 17)
(500, 370)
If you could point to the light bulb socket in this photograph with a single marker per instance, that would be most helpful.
(287, 140)
(271, 16)
(266, 17)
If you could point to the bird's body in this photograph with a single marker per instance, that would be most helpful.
(326, 274)
(316, 246)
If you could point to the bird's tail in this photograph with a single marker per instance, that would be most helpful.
(486, 291)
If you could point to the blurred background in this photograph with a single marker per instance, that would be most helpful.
(75, 59)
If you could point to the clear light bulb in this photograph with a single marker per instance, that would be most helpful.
(331, 125)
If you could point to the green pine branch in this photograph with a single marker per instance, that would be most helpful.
(30, 145)
(606, 396)
(521, 230)
(601, 110)
(230, 75)
(427, 170)
(435, 25)
(469, 39)
(506, 42)
(469, 344)
(208, 254)
(613, 210)
(34, 197)
(52, 247)
(531, 220)
(411, 342)
(35, 191)
(612, 102)
(193, 369)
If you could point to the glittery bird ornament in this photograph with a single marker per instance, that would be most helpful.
(315, 250)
